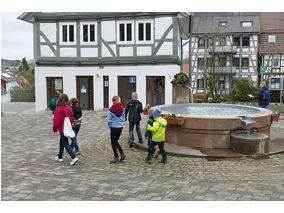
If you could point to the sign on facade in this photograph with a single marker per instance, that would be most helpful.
(83, 89)
(132, 80)
(262, 70)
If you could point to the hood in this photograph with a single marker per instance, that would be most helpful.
(64, 108)
(117, 109)
(134, 102)
(161, 121)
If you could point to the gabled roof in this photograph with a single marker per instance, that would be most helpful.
(32, 16)
(210, 23)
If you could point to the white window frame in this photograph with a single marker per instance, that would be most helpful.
(61, 33)
(144, 22)
(245, 23)
(89, 33)
(271, 38)
(278, 61)
(125, 32)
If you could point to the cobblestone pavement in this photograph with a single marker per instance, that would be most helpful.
(29, 171)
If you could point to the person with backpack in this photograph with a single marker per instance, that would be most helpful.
(63, 110)
(263, 96)
(134, 107)
(52, 103)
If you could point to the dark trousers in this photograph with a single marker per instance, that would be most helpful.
(131, 127)
(64, 144)
(161, 147)
(114, 136)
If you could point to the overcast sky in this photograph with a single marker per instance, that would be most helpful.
(16, 37)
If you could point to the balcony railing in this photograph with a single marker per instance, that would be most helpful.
(224, 70)
(222, 49)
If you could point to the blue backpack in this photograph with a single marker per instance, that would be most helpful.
(266, 95)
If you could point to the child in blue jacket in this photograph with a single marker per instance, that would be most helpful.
(115, 121)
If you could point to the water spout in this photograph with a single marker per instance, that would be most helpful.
(247, 122)
(190, 93)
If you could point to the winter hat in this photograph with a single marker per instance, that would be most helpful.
(157, 113)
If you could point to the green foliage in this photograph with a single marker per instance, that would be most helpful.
(27, 72)
(244, 87)
(180, 79)
(22, 95)
(220, 98)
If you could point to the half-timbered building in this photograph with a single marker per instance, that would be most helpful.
(94, 56)
(226, 44)
(271, 43)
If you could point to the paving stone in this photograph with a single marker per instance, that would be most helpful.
(33, 174)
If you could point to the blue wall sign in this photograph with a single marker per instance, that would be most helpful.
(132, 80)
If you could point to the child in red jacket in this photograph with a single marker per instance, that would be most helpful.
(63, 110)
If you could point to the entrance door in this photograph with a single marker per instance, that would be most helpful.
(126, 86)
(155, 90)
(106, 91)
(85, 92)
(53, 84)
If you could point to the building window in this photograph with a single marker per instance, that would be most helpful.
(125, 32)
(271, 39)
(275, 62)
(245, 41)
(236, 62)
(236, 41)
(222, 62)
(245, 62)
(210, 62)
(201, 42)
(144, 31)
(210, 42)
(200, 62)
(222, 24)
(88, 32)
(200, 84)
(222, 41)
(246, 23)
(53, 84)
(67, 33)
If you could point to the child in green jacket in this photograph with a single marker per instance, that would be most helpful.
(158, 129)
(149, 134)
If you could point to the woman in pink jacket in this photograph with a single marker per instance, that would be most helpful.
(63, 110)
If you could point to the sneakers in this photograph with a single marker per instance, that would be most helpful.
(115, 160)
(147, 160)
(74, 161)
(122, 157)
(77, 153)
(130, 144)
(163, 161)
(58, 159)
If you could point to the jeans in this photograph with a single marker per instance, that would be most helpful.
(74, 140)
(131, 127)
(114, 136)
(264, 106)
(64, 144)
(161, 147)
(149, 144)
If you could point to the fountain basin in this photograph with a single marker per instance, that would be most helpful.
(210, 125)
(250, 144)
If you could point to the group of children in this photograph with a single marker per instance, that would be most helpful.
(155, 131)
(71, 109)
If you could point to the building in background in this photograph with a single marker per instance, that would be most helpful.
(271, 43)
(94, 56)
(225, 44)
